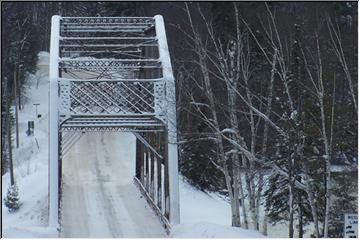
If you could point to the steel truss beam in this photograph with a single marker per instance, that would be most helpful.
(147, 39)
(114, 74)
(109, 129)
(71, 63)
(84, 46)
(107, 20)
(112, 80)
(124, 122)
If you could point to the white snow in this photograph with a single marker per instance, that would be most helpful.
(293, 114)
(205, 215)
(212, 230)
(228, 130)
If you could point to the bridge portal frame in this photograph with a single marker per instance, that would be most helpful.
(169, 127)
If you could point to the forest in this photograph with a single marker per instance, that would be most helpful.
(267, 104)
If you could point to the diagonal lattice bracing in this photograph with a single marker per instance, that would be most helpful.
(108, 63)
(110, 97)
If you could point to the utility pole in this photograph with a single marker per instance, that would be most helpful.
(18, 89)
(16, 110)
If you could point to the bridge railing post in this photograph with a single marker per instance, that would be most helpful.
(172, 151)
(54, 124)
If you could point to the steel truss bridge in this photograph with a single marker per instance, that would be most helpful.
(114, 74)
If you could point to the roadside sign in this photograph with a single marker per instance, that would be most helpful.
(351, 225)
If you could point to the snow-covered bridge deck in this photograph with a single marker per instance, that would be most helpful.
(99, 198)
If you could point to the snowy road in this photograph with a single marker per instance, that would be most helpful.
(99, 198)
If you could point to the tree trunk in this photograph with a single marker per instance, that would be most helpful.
(235, 201)
(16, 110)
(264, 231)
(266, 132)
(258, 199)
(8, 121)
(236, 176)
(243, 207)
(250, 192)
(250, 177)
(327, 171)
(312, 203)
(291, 211)
(291, 199)
(300, 216)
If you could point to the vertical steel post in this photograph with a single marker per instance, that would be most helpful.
(172, 152)
(54, 124)
(152, 172)
(138, 167)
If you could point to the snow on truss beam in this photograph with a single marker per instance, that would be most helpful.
(108, 45)
(98, 51)
(113, 64)
(103, 27)
(108, 38)
(111, 129)
(164, 57)
(108, 19)
(108, 24)
(65, 59)
(53, 124)
(112, 80)
(123, 30)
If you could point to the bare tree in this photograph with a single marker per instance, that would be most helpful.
(213, 121)
(336, 44)
(319, 93)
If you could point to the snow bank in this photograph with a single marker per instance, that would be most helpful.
(197, 206)
(205, 215)
(29, 232)
(212, 230)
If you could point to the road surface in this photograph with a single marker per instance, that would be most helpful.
(99, 198)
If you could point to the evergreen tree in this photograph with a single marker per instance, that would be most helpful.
(12, 199)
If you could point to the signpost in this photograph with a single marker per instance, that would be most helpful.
(350, 225)
(36, 106)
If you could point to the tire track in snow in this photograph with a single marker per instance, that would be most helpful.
(105, 198)
(77, 201)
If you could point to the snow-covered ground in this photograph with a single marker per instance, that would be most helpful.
(97, 172)
(30, 161)
(205, 215)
